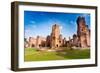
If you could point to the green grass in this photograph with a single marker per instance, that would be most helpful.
(31, 54)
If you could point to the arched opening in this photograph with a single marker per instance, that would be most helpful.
(40, 45)
(59, 41)
(33, 45)
(57, 45)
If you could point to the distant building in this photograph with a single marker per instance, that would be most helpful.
(32, 42)
(26, 43)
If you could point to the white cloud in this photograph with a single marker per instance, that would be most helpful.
(72, 22)
(34, 26)
(31, 26)
(27, 33)
(85, 15)
(27, 30)
(61, 27)
(33, 22)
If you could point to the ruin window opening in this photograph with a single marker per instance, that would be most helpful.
(33, 45)
(57, 45)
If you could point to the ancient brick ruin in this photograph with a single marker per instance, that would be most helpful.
(55, 39)
(83, 33)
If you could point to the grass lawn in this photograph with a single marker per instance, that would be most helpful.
(31, 54)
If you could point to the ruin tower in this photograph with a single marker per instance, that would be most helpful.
(38, 41)
(64, 42)
(82, 32)
(55, 36)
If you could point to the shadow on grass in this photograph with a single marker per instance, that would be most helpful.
(75, 54)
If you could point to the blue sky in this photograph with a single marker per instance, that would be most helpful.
(40, 23)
